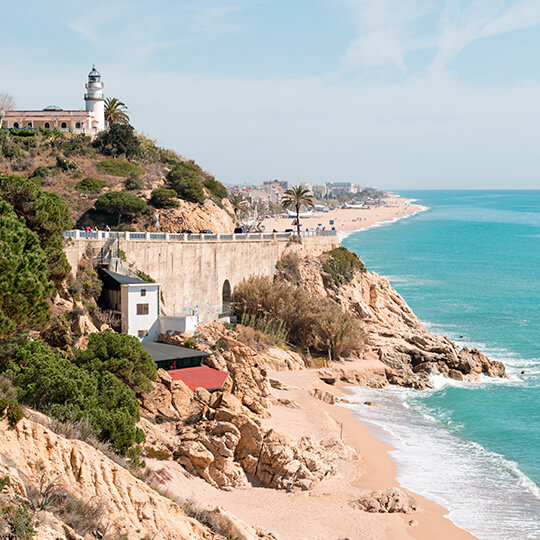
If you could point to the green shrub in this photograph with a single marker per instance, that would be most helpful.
(121, 355)
(119, 167)
(144, 276)
(15, 521)
(12, 410)
(158, 454)
(91, 185)
(87, 280)
(216, 188)
(78, 145)
(118, 203)
(22, 132)
(341, 265)
(65, 165)
(118, 140)
(184, 180)
(58, 334)
(40, 173)
(48, 381)
(163, 198)
(134, 181)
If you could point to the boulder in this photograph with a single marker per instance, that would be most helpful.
(392, 500)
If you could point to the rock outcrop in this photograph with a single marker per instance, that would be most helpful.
(390, 501)
(220, 436)
(395, 336)
(195, 217)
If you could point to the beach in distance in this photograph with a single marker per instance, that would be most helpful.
(348, 219)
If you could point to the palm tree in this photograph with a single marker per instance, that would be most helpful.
(297, 197)
(238, 204)
(115, 112)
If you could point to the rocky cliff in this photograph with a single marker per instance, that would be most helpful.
(395, 335)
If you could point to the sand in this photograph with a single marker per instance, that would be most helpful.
(348, 219)
(325, 513)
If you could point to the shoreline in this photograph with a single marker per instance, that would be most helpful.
(347, 221)
(327, 511)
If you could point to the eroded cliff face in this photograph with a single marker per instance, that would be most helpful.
(221, 436)
(395, 335)
(35, 458)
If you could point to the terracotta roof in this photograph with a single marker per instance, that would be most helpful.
(200, 377)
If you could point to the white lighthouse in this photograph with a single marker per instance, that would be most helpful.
(94, 98)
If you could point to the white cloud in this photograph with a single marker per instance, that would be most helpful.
(384, 33)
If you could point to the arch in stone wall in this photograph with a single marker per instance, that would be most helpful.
(226, 296)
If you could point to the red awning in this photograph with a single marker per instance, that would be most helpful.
(200, 377)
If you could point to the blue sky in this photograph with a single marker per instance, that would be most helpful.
(394, 93)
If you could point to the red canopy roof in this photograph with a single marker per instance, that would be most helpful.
(200, 376)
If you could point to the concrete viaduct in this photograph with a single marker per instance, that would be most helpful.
(196, 272)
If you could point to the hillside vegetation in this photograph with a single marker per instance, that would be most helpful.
(119, 179)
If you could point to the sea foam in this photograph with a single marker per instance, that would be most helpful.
(485, 493)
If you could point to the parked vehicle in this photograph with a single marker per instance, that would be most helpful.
(185, 231)
(205, 231)
(239, 230)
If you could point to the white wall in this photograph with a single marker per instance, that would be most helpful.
(133, 323)
(178, 323)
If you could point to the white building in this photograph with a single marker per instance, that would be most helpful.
(89, 122)
(136, 302)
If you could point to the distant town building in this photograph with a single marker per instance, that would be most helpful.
(283, 184)
(319, 191)
(89, 121)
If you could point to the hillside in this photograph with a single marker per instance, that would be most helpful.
(80, 171)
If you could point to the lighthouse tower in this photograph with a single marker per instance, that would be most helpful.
(94, 98)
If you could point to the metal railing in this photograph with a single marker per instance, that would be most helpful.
(172, 237)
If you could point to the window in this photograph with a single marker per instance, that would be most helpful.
(47, 125)
(142, 333)
(29, 124)
(63, 125)
(16, 125)
(78, 125)
(143, 292)
(142, 309)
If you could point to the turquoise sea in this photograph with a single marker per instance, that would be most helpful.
(469, 266)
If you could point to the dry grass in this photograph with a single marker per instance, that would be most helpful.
(317, 323)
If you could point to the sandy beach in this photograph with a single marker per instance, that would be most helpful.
(327, 512)
(348, 219)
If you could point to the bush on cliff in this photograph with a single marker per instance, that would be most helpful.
(340, 265)
(216, 188)
(134, 182)
(48, 381)
(118, 167)
(308, 320)
(119, 203)
(121, 355)
(24, 284)
(118, 140)
(184, 180)
(163, 198)
(90, 185)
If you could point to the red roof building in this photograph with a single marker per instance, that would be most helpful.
(200, 377)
